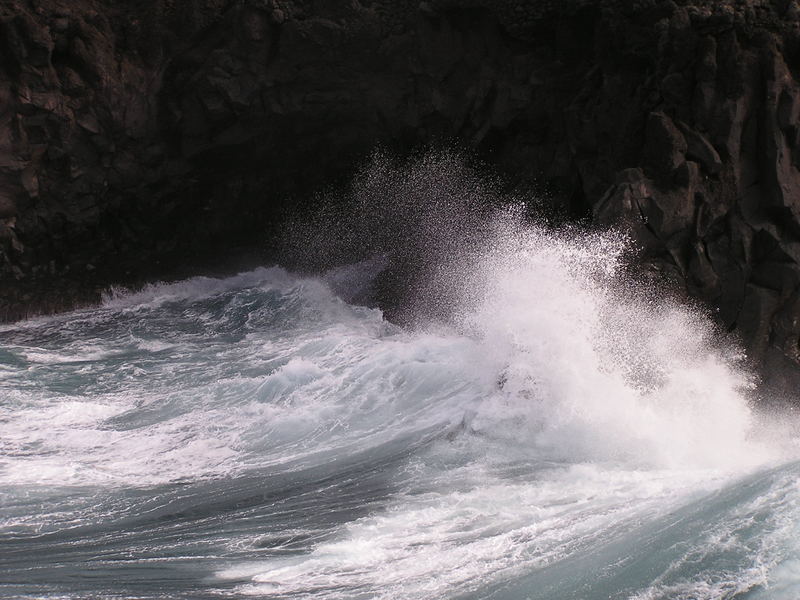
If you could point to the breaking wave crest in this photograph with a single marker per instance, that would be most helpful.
(544, 429)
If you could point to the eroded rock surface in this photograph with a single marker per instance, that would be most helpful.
(136, 135)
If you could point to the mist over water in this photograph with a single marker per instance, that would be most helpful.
(537, 427)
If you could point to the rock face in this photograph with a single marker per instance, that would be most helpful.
(133, 136)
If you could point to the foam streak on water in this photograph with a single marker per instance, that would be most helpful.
(257, 436)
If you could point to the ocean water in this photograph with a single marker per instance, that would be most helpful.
(559, 435)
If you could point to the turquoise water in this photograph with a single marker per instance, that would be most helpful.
(258, 436)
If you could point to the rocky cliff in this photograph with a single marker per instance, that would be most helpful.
(136, 137)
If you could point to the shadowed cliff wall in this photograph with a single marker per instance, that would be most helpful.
(134, 137)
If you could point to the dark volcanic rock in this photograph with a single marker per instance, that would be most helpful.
(134, 136)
